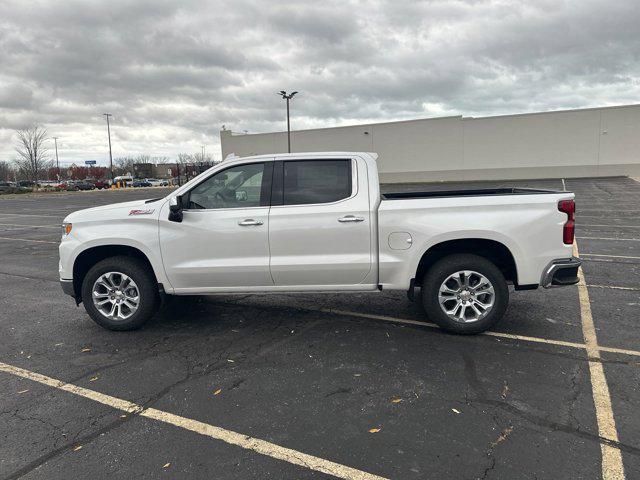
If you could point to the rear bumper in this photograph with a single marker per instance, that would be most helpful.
(561, 272)
(67, 287)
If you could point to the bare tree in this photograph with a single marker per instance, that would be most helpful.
(6, 172)
(32, 154)
(124, 165)
(184, 160)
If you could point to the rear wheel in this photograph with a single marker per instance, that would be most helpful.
(465, 293)
(120, 293)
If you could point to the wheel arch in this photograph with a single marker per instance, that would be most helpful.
(92, 255)
(494, 251)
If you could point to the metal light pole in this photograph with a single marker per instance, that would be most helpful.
(107, 115)
(55, 139)
(284, 95)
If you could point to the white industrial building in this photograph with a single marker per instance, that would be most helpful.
(568, 143)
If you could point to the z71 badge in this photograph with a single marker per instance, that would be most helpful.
(149, 211)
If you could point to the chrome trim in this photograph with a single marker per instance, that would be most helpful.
(350, 218)
(249, 222)
(556, 265)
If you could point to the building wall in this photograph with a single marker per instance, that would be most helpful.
(571, 143)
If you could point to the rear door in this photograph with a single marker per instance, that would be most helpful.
(319, 223)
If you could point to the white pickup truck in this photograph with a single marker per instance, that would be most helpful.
(317, 222)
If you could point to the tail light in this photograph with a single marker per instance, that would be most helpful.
(568, 231)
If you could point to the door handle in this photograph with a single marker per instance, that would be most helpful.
(350, 218)
(249, 222)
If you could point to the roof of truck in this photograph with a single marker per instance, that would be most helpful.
(319, 155)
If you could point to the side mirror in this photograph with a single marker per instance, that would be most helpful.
(175, 209)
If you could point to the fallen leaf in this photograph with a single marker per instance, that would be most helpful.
(166, 465)
(505, 391)
(86, 349)
(123, 416)
(77, 447)
(502, 437)
(374, 430)
(396, 400)
(93, 379)
(217, 392)
(455, 410)
(230, 361)
(24, 391)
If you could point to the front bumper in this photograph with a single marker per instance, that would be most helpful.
(67, 287)
(561, 272)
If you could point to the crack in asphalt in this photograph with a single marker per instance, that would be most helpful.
(482, 397)
(192, 371)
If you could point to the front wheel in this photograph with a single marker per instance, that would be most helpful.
(120, 293)
(465, 293)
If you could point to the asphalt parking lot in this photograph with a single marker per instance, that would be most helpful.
(322, 386)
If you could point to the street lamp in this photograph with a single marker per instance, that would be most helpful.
(107, 115)
(55, 140)
(284, 95)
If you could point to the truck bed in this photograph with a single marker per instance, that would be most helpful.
(481, 192)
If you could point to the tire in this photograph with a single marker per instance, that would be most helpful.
(141, 281)
(478, 270)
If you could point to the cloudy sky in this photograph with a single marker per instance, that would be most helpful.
(173, 72)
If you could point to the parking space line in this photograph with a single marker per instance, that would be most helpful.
(608, 256)
(512, 336)
(28, 240)
(602, 238)
(613, 287)
(31, 226)
(228, 436)
(24, 215)
(612, 467)
(608, 226)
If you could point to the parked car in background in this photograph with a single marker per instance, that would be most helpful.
(85, 185)
(26, 183)
(141, 183)
(100, 184)
(11, 187)
(68, 185)
(122, 181)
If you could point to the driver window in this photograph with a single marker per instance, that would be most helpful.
(234, 187)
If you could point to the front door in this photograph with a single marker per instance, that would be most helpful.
(319, 224)
(222, 242)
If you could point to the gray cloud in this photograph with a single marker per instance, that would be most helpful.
(173, 72)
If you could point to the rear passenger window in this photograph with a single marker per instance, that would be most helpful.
(316, 181)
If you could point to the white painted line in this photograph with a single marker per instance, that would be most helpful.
(613, 287)
(28, 215)
(612, 467)
(28, 240)
(31, 226)
(608, 256)
(607, 238)
(583, 214)
(511, 336)
(608, 226)
(228, 436)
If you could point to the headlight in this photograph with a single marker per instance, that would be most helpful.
(66, 229)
